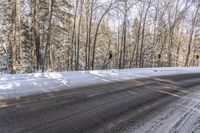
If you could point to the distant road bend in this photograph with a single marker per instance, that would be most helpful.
(167, 104)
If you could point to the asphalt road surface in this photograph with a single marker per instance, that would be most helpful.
(168, 104)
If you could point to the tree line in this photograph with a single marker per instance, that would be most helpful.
(66, 35)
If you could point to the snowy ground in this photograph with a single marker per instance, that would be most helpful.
(182, 116)
(15, 86)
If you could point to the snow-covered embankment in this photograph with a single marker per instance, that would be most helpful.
(15, 86)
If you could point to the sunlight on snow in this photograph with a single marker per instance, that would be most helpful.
(9, 86)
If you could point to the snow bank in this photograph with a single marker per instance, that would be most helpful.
(15, 86)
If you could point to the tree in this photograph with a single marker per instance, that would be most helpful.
(192, 28)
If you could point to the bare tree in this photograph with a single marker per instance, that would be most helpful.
(110, 7)
(48, 55)
(192, 28)
(14, 39)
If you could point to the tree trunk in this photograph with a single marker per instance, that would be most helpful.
(78, 42)
(48, 58)
(35, 32)
(90, 32)
(13, 43)
(191, 35)
(124, 34)
(143, 34)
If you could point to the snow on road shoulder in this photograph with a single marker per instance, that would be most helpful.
(181, 116)
(12, 86)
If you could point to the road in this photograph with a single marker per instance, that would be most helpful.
(152, 105)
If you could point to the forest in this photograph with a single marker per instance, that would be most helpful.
(72, 35)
